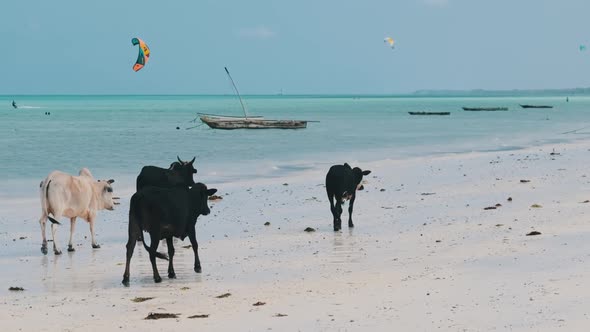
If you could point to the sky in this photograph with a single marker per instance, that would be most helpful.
(299, 47)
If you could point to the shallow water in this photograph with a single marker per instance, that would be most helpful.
(114, 136)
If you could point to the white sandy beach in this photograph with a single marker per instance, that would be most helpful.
(413, 262)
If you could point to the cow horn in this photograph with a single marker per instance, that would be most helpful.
(192, 161)
(110, 181)
(177, 157)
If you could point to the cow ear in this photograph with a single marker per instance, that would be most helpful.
(211, 191)
(366, 172)
(346, 164)
(110, 181)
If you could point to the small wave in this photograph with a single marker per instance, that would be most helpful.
(29, 107)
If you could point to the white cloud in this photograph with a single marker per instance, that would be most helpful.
(437, 2)
(259, 32)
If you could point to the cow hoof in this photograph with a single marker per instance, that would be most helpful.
(158, 279)
(57, 252)
(96, 246)
(198, 269)
(350, 226)
(125, 282)
(70, 249)
(172, 275)
(44, 250)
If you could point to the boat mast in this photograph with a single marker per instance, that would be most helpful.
(236, 88)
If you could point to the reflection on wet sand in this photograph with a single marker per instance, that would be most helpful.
(345, 248)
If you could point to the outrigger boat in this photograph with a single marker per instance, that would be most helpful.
(485, 108)
(536, 106)
(247, 121)
(430, 113)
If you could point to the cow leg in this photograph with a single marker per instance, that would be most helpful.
(153, 249)
(333, 210)
(192, 236)
(134, 234)
(350, 205)
(91, 224)
(72, 228)
(338, 214)
(171, 273)
(56, 250)
(42, 222)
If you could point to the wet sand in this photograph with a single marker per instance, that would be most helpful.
(424, 254)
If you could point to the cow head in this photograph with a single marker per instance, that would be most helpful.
(105, 194)
(200, 193)
(358, 177)
(185, 169)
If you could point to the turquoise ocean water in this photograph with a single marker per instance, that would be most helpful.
(114, 136)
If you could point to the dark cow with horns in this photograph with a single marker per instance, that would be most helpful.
(180, 174)
(165, 213)
(342, 181)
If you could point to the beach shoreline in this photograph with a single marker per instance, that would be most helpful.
(424, 254)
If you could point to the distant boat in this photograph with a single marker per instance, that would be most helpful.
(247, 121)
(536, 106)
(430, 113)
(485, 108)
(14, 105)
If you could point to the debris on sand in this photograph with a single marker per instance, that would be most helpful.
(382, 190)
(185, 288)
(427, 194)
(267, 223)
(525, 181)
(160, 315)
(280, 315)
(188, 246)
(141, 299)
(586, 201)
(215, 198)
(22, 237)
(490, 208)
(509, 199)
(309, 229)
(533, 233)
(285, 184)
(222, 296)
(536, 206)
(259, 303)
(199, 316)
(554, 153)
(16, 289)
(498, 205)
(499, 225)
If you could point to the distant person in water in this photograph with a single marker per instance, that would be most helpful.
(567, 99)
(14, 104)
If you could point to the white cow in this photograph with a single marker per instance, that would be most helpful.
(64, 195)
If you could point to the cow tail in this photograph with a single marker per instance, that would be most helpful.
(158, 254)
(138, 220)
(45, 201)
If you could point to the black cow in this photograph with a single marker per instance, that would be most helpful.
(165, 213)
(179, 174)
(342, 183)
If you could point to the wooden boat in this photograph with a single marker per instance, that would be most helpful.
(247, 121)
(485, 108)
(430, 113)
(224, 122)
(536, 106)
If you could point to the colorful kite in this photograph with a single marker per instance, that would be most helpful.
(390, 41)
(144, 54)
